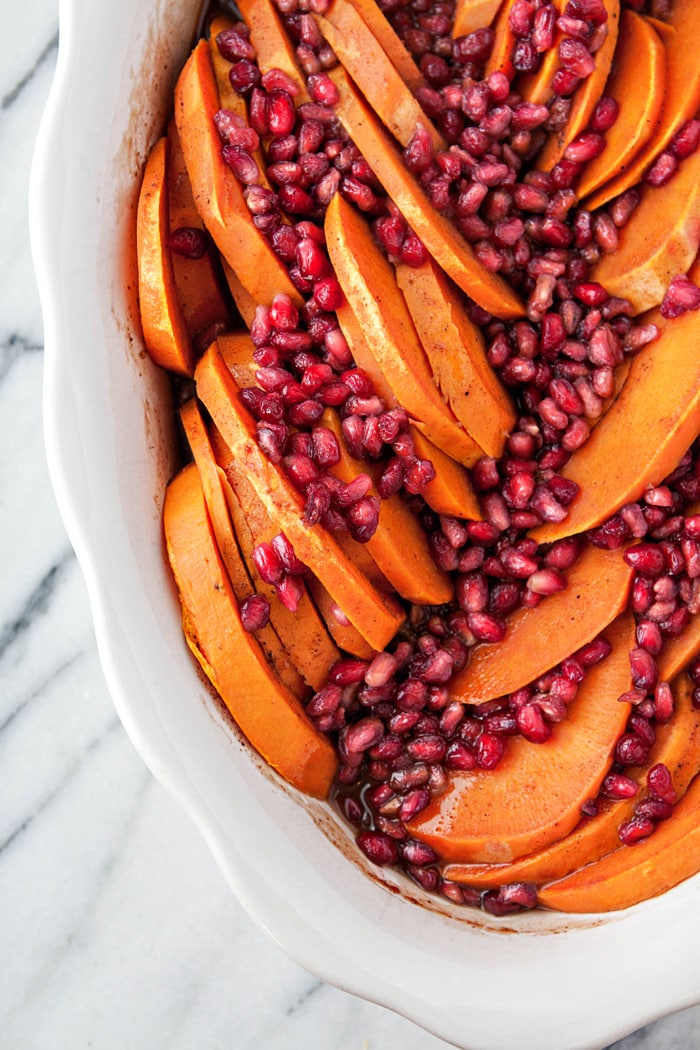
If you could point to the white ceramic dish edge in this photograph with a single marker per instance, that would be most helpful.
(552, 985)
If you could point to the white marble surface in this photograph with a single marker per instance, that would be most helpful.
(117, 928)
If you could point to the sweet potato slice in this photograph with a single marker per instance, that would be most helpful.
(636, 873)
(655, 417)
(537, 87)
(443, 242)
(474, 14)
(339, 627)
(198, 281)
(268, 714)
(534, 796)
(370, 67)
(399, 546)
(501, 58)
(369, 283)
(586, 96)
(680, 102)
(245, 303)
(162, 320)
(660, 240)
(273, 46)
(388, 39)
(450, 492)
(538, 639)
(374, 614)
(212, 482)
(303, 632)
(637, 83)
(677, 746)
(217, 193)
(228, 96)
(456, 353)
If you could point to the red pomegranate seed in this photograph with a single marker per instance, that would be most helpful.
(660, 783)
(605, 114)
(576, 58)
(631, 750)
(268, 563)
(378, 847)
(255, 613)
(663, 169)
(663, 702)
(290, 590)
(618, 786)
(585, 147)
(233, 44)
(647, 559)
(413, 803)
(489, 750)
(682, 295)
(635, 830)
(531, 723)
(686, 140)
(244, 76)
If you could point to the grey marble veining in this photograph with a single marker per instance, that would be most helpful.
(118, 931)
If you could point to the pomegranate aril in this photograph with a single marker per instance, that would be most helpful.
(635, 830)
(378, 847)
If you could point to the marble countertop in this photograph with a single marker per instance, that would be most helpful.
(118, 929)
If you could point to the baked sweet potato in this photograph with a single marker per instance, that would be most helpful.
(456, 353)
(228, 546)
(369, 284)
(540, 638)
(273, 47)
(451, 491)
(473, 14)
(534, 796)
(587, 95)
(217, 193)
(631, 874)
(677, 746)
(654, 418)
(441, 239)
(388, 39)
(198, 281)
(162, 320)
(660, 240)
(268, 714)
(637, 83)
(680, 101)
(374, 614)
(399, 545)
(365, 60)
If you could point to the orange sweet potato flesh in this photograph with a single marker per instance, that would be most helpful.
(440, 238)
(534, 796)
(538, 639)
(341, 630)
(162, 320)
(537, 87)
(268, 714)
(473, 14)
(501, 58)
(303, 633)
(451, 491)
(198, 281)
(374, 614)
(217, 193)
(457, 356)
(637, 84)
(631, 874)
(387, 378)
(399, 546)
(655, 418)
(587, 95)
(245, 304)
(677, 745)
(215, 499)
(680, 102)
(660, 240)
(273, 47)
(369, 284)
(365, 60)
(388, 39)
